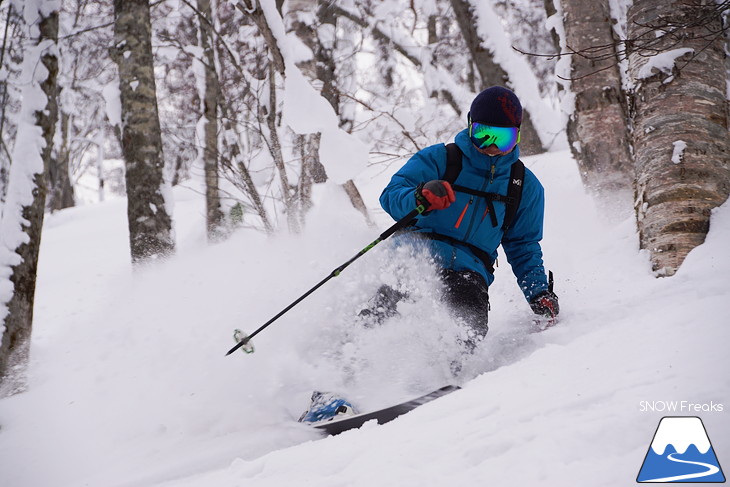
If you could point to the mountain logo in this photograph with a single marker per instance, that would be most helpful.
(681, 452)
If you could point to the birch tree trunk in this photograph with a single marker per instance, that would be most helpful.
(150, 225)
(213, 213)
(682, 150)
(491, 73)
(22, 219)
(598, 128)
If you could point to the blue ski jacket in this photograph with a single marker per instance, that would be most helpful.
(467, 220)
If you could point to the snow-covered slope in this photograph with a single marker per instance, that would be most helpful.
(129, 385)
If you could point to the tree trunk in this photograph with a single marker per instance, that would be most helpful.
(308, 148)
(61, 191)
(214, 215)
(356, 199)
(276, 153)
(150, 225)
(550, 10)
(598, 128)
(5, 156)
(322, 68)
(326, 73)
(254, 11)
(324, 57)
(17, 313)
(491, 73)
(234, 164)
(677, 188)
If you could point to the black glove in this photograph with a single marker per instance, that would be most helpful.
(545, 304)
(435, 195)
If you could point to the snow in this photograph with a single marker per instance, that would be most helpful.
(305, 111)
(563, 65)
(663, 62)
(678, 151)
(113, 101)
(128, 383)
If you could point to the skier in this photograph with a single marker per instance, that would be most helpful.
(487, 202)
(478, 196)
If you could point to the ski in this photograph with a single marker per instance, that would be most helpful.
(382, 416)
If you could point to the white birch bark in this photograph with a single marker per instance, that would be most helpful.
(598, 127)
(682, 148)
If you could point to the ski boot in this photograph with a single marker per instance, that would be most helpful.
(326, 406)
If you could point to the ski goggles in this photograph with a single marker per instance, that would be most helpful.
(505, 138)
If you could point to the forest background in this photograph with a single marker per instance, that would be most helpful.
(262, 101)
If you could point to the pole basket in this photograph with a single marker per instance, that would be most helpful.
(240, 336)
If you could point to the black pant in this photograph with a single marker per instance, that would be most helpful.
(465, 292)
(467, 295)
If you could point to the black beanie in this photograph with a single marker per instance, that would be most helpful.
(497, 106)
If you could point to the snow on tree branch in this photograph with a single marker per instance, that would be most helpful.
(306, 111)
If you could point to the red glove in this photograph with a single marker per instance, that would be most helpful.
(436, 194)
(546, 305)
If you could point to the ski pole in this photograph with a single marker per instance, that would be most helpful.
(400, 224)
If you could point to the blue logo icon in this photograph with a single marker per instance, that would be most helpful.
(681, 452)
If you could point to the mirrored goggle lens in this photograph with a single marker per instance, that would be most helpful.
(505, 138)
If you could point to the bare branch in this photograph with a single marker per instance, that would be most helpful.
(676, 28)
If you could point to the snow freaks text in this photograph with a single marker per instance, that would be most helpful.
(680, 407)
